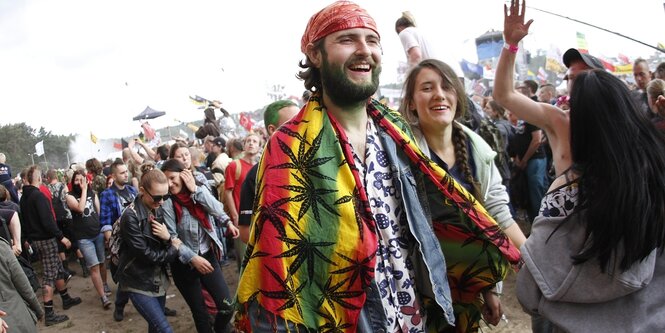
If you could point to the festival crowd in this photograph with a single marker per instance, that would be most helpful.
(343, 215)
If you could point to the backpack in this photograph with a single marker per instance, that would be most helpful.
(490, 132)
(115, 241)
(25, 264)
(61, 212)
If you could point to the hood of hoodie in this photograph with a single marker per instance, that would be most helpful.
(549, 261)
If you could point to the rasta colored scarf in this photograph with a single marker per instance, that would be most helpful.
(184, 199)
(311, 252)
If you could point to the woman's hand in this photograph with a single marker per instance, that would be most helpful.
(492, 312)
(514, 28)
(201, 265)
(159, 229)
(188, 179)
(233, 230)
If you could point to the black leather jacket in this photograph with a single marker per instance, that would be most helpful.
(141, 253)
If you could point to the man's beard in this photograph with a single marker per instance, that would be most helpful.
(344, 92)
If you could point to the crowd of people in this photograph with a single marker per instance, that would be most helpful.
(345, 215)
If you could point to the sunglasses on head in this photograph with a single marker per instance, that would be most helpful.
(158, 198)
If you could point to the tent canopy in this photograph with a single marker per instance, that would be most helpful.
(149, 113)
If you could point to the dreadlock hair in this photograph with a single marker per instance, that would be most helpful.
(459, 138)
(621, 158)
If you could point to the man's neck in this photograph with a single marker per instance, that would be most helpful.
(352, 119)
(249, 158)
(119, 187)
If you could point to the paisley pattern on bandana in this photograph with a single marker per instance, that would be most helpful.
(312, 248)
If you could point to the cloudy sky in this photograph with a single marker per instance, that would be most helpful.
(81, 66)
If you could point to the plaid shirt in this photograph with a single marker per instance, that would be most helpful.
(109, 206)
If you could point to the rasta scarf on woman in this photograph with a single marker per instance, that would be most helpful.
(311, 252)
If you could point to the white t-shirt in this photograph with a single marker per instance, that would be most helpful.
(411, 37)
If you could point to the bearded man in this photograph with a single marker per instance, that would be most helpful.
(340, 240)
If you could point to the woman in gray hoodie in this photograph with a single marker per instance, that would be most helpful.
(594, 261)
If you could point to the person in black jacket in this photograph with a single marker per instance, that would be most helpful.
(145, 250)
(44, 234)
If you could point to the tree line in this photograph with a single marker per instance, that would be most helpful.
(17, 142)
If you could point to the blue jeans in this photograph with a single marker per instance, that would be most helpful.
(536, 175)
(152, 310)
(92, 250)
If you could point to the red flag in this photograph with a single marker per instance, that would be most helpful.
(608, 65)
(121, 145)
(624, 58)
(246, 122)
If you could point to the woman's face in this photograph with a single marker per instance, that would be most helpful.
(489, 111)
(435, 103)
(78, 179)
(156, 191)
(175, 182)
(182, 154)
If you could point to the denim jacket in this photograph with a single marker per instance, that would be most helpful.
(429, 263)
(188, 227)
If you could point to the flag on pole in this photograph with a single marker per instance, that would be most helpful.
(193, 127)
(624, 59)
(246, 121)
(120, 146)
(581, 43)
(198, 100)
(542, 74)
(39, 148)
(93, 138)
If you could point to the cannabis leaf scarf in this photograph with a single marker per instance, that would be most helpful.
(311, 250)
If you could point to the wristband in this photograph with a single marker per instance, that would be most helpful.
(512, 48)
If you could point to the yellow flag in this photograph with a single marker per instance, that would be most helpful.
(93, 138)
(581, 43)
(193, 127)
(661, 45)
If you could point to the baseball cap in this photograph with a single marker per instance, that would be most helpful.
(573, 54)
(218, 141)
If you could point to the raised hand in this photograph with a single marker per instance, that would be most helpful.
(514, 28)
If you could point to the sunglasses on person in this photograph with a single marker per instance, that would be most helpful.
(158, 198)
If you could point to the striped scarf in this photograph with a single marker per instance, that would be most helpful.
(311, 250)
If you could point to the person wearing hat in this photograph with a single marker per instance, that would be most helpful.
(340, 239)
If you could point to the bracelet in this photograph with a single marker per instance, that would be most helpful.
(512, 48)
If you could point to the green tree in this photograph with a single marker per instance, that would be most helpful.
(17, 142)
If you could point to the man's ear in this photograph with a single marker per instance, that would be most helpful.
(313, 54)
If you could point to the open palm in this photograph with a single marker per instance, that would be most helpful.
(514, 28)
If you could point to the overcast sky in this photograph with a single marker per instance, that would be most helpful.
(81, 66)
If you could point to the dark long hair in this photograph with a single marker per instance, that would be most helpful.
(621, 158)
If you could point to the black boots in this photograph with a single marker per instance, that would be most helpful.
(51, 318)
(68, 301)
